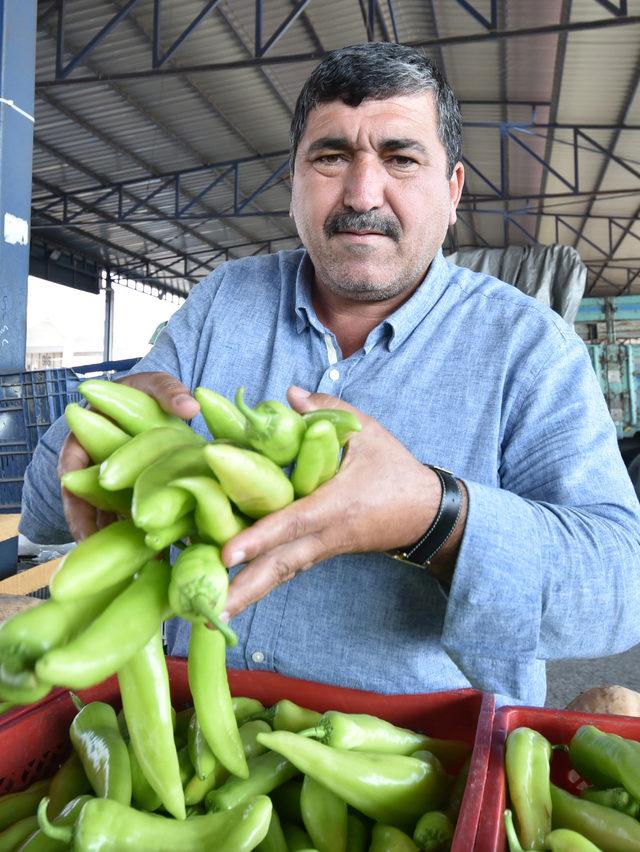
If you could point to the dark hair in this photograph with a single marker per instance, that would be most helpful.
(379, 70)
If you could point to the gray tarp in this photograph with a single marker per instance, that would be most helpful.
(553, 274)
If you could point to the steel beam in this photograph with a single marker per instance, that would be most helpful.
(17, 73)
(317, 55)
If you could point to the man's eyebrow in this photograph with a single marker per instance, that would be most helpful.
(402, 144)
(341, 143)
(336, 143)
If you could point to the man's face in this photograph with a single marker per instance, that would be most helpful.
(371, 198)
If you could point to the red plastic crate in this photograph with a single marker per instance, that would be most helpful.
(33, 742)
(558, 726)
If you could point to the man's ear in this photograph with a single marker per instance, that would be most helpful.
(456, 182)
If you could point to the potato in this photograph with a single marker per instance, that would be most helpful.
(616, 700)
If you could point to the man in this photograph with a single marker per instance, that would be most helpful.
(530, 552)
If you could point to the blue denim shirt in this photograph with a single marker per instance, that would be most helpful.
(474, 376)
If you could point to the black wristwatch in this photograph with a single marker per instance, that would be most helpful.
(425, 548)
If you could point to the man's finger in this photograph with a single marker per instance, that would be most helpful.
(81, 517)
(172, 396)
(298, 519)
(263, 575)
(302, 401)
(73, 456)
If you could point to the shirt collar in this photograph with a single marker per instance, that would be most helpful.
(398, 325)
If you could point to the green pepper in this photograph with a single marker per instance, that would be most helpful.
(296, 838)
(96, 737)
(286, 800)
(124, 466)
(39, 842)
(386, 838)
(215, 519)
(156, 503)
(106, 557)
(603, 826)
(358, 834)
(85, 483)
(207, 675)
(318, 458)
(273, 429)
(434, 832)
(344, 422)
(143, 796)
(285, 715)
(223, 419)
(109, 826)
(389, 788)
(132, 409)
(245, 709)
(99, 436)
(613, 797)
(324, 815)
(202, 758)
(363, 732)
(146, 701)
(565, 840)
(32, 632)
(527, 766)
(252, 481)
(198, 588)
(606, 760)
(14, 836)
(265, 772)
(184, 762)
(125, 626)
(5, 706)
(274, 840)
(15, 806)
(184, 527)
(196, 789)
(69, 782)
(458, 789)
(20, 685)
(183, 720)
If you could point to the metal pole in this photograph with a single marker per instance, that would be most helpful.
(17, 79)
(108, 319)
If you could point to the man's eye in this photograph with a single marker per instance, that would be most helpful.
(401, 162)
(329, 159)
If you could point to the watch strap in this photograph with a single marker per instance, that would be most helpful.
(425, 548)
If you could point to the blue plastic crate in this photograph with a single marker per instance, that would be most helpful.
(30, 402)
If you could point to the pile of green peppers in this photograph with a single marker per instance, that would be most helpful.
(166, 485)
(604, 817)
(330, 782)
(154, 779)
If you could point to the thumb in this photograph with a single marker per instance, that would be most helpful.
(303, 400)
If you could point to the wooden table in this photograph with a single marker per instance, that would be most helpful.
(26, 581)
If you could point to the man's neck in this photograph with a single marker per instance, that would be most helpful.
(351, 320)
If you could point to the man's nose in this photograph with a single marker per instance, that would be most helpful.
(364, 183)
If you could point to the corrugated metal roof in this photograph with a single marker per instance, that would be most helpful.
(115, 127)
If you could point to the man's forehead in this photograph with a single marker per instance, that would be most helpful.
(398, 116)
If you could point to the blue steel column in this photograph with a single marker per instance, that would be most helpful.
(17, 78)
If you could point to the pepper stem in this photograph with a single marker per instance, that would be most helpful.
(317, 732)
(78, 702)
(55, 832)
(200, 605)
(253, 417)
(512, 837)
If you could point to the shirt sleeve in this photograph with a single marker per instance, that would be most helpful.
(549, 564)
(42, 517)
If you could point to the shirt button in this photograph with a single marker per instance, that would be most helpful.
(334, 375)
(257, 657)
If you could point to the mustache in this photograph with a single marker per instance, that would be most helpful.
(369, 221)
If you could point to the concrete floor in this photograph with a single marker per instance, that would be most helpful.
(567, 678)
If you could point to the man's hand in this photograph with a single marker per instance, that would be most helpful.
(381, 498)
(172, 396)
